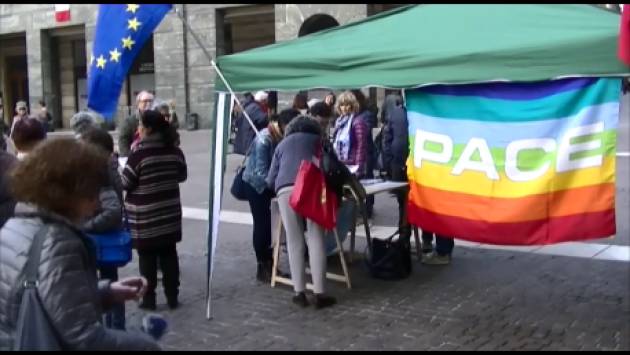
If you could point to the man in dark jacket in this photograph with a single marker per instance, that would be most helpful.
(395, 149)
(395, 153)
(128, 127)
(395, 144)
(245, 133)
(391, 100)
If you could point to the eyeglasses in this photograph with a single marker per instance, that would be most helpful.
(146, 101)
(21, 108)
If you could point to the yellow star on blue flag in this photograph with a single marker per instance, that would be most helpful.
(125, 26)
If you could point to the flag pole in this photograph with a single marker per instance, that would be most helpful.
(216, 68)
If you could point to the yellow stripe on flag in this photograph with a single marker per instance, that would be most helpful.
(476, 183)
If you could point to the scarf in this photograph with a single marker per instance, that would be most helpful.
(342, 137)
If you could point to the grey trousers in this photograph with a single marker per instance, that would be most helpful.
(294, 226)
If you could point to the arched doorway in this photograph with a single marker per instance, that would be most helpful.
(317, 23)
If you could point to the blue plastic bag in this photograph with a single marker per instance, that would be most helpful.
(113, 248)
(345, 220)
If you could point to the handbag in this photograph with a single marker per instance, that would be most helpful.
(311, 198)
(112, 249)
(34, 330)
(238, 185)
(390, 259)
(238, 189)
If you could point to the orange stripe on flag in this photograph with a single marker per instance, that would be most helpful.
(594, 198)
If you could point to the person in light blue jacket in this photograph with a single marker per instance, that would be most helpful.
(257, 163)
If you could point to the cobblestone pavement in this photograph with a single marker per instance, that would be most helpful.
(484, 300)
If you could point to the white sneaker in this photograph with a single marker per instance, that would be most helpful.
(436, 259)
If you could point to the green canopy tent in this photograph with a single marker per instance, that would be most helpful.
(420, 45)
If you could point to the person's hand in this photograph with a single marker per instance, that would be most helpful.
(128, 288)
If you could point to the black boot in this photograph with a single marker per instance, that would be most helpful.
(263, 272)
(172, 302)
(148, 302)
(301, 300)
(322, 301)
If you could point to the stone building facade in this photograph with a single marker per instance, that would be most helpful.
(43, 59)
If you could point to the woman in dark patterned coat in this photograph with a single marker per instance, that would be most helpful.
(151, 178)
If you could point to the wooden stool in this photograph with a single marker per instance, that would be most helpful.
(279, 237)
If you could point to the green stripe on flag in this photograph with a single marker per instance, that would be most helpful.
(528, 159)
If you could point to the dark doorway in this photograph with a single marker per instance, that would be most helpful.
(17, 78)
(245, 27)
(317, 23)
(241, 28)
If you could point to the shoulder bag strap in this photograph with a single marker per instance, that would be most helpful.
(317, 157)
(34, 256)
(125, 218)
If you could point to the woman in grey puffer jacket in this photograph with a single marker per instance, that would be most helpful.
(58, 197)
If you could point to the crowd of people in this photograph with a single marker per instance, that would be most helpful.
(66, 199)
(286, 139)
(88, 192)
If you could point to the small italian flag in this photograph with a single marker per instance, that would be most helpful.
(62, 12)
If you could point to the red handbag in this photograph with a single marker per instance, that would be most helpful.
(311, 198)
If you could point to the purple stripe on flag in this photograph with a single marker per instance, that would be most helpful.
(511, 90)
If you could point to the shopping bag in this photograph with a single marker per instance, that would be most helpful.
(311, 198)
(345, 222)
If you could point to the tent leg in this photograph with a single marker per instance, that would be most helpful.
(217, 160)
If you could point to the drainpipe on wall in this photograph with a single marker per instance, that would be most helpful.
(185, 44)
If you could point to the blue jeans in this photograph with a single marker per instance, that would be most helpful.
(443, 245)
(115, 318)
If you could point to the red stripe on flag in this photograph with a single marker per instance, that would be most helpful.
(624, 36)
(540, 232)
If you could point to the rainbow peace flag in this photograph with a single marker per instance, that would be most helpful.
(514, 163)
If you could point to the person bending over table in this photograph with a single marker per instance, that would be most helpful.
(302, 137)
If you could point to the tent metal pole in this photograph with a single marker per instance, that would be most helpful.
(216, 68)
(217, 162)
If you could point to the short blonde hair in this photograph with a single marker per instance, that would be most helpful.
(347, 98)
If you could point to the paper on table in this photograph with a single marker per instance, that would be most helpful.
(353, 168)
(122, 161)
(371, 181)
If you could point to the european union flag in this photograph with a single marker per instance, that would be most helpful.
(121, 31)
